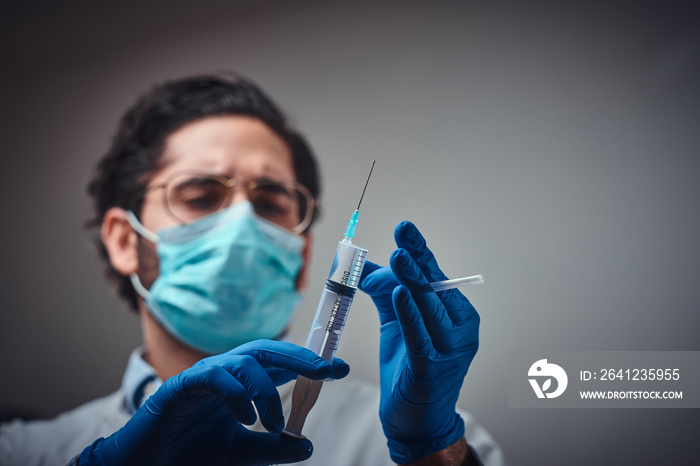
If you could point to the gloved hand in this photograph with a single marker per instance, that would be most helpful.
(195, 417)
(428, 341)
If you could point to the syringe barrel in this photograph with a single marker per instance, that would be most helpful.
(337, 297)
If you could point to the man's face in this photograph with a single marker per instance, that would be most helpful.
(238, 147)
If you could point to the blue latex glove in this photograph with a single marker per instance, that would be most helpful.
(196, 417)
(428, 341)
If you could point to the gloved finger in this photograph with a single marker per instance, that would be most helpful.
(409, 238)
(415, 335)
(285, 355)
(280, 376)
(379, 282)
(339, 369)
(214, 379)
(255, 448)
(369, 268)
(260, 388)
(435, 317)
(459, 308)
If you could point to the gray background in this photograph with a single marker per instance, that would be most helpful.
(551, 146)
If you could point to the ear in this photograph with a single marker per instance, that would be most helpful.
(120, 240)
(306, 256)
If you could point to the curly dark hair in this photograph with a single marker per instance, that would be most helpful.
(134, 155)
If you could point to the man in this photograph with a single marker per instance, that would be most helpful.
(205, 202)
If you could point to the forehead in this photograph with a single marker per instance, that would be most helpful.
(240, 147)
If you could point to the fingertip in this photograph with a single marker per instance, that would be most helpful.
(269, 448)
(403, 302)
(405, 267)
(366, 281)
(398, 257)
(304, 448)
(251, 416)
(403, 227)
(277, 424)
(368, 268)
(339, 369)
(298, 448)
(410, 319)
(271, 415)
(244, 412)
(406, 233)
(381, 280)
(400, 295)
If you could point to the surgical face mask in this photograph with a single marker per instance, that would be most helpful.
(224, 280)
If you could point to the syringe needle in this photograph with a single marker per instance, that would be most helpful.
(366, 183)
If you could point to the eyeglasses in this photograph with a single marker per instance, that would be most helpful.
(189, 196)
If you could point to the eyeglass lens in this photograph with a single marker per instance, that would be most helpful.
(190, 197)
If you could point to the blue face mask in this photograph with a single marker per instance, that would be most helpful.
(224, 280)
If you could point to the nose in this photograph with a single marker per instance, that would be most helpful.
(239, 195)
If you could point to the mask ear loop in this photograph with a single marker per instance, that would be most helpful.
(138, 286)
(150, 236)
(140, 229)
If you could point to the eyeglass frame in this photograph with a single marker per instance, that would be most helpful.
(229, 183)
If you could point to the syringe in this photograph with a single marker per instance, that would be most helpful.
(331, 314)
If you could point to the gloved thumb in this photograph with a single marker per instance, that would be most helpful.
(379, 283)
(257, 448)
